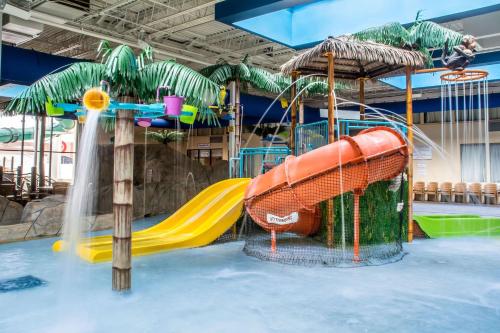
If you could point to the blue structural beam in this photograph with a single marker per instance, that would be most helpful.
(23, 66)
(429, 105)
(301, 24)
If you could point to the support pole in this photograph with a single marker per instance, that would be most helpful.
(409, 123)
(22, 141)
(362, 98)
(237, 119)
(301, 110)
(356, 227)
(331, 138)
(123, 199)
(273, 241)
(35, 147)
(19, 181)
(231, 128)
(41, 159)
(50, 149)
(293, 110)
(33, 180)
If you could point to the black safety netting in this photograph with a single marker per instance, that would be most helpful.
(382, 228)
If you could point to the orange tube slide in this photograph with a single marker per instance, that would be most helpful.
(286, 198)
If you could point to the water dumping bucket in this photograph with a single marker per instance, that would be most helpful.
(173, 104)
(143, 122)
(51, 110)
(188, 115)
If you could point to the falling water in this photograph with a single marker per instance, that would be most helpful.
(472, 110)
(145, 176)
(82, 195)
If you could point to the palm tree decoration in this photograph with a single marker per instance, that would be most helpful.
(130, 78)
(420, 36)
(166, 136)
(242, 74)
(128, 75)
(309, 86)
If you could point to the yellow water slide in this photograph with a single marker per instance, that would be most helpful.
(199, 222)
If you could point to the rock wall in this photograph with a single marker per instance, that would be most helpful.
(162, 185)
(43, 218)
(10, 212)
(165, 182)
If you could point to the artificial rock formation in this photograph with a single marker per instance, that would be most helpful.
(10, 212)
(168, 180)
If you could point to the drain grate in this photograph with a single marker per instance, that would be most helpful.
(20, 283)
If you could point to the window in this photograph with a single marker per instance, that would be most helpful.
(472, 162)
(216, 139)
(205, 156)
(218, 131)
(495, 162)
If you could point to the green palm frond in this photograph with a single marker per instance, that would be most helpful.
(262, 79)
(393, 34)
(121, 68)
(65, 86)
(312, 85)
(104, 50)
(182, 80)
(428, 34)
(222, 74)
(165, 136)
(208, 116)
(146, 56)
(107, 124)
(242, 72)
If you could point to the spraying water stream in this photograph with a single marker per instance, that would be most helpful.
(83, 192)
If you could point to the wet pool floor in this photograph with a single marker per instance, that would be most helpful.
(450, 285)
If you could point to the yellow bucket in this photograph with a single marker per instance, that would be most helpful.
(188, 115)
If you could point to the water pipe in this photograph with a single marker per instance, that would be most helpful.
(9, 135)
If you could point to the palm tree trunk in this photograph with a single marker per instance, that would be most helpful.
(123, 199)
(237, 120)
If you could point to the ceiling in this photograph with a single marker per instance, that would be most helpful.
(185, 30)
(181, 29)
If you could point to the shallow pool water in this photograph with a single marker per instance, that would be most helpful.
(450, 285)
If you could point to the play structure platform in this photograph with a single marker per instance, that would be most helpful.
(199, 222)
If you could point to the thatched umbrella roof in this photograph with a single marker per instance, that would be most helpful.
(354, 59)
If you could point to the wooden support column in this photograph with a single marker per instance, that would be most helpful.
(293, 112)
(362, 98)
(409, 123)
(331, 138)
(237, 119)
(123, 199)
(301, 110)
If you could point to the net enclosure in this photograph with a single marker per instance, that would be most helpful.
(363, 175)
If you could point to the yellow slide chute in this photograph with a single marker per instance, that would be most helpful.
(199, 222)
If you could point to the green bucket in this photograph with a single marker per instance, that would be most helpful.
(188, 115)
(51, 110)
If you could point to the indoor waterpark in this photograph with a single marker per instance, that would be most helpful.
(249, 166)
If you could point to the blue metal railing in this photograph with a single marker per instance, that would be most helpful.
(347, 126)
(310, 136)
(255, 161)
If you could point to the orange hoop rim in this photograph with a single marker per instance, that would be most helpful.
(465, 75)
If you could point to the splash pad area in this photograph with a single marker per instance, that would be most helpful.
(441, 285)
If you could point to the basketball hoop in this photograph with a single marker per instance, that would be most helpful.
(464, 75)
